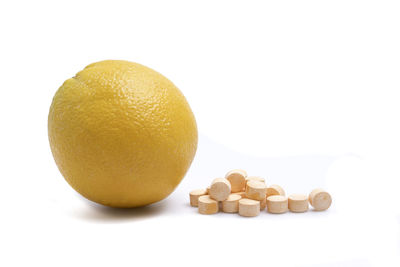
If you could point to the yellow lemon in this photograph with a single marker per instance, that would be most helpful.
(121, 134)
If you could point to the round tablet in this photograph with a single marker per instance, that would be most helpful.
(207, 205)
(237, 178)
(220, 189)
(320, 199)
(249, 207)
(275, 189)
(256, 190)
(298, 203)
(194, 196)
(231, 204)
(277, 204)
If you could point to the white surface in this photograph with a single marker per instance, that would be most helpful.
(304, 93)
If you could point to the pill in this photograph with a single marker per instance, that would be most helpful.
(254, 178)
(263, 204)
(207, 205)
(320, 199)
(231, 204)
(277, 204)
(275, 189)
(220, 189)
(256, 190)
(298, 203)
(242, 194)
(237, 178)
(249, 207)
(208, 190)
(194, 196)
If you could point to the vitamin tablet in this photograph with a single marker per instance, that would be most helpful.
(249, 207)
(275, 189)
(231, 204)
(207, 205)
(220, 189)
(194, 196)
(256, 190)
(298, 203)
(277, 204)
(237, 178)
(263, 204)
(320, 199)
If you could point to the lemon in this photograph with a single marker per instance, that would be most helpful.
(121, 134)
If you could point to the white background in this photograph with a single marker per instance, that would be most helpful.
(304, 93)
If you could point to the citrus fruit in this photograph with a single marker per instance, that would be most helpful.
(121, 134)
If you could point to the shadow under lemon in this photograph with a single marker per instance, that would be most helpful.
(99, 213)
